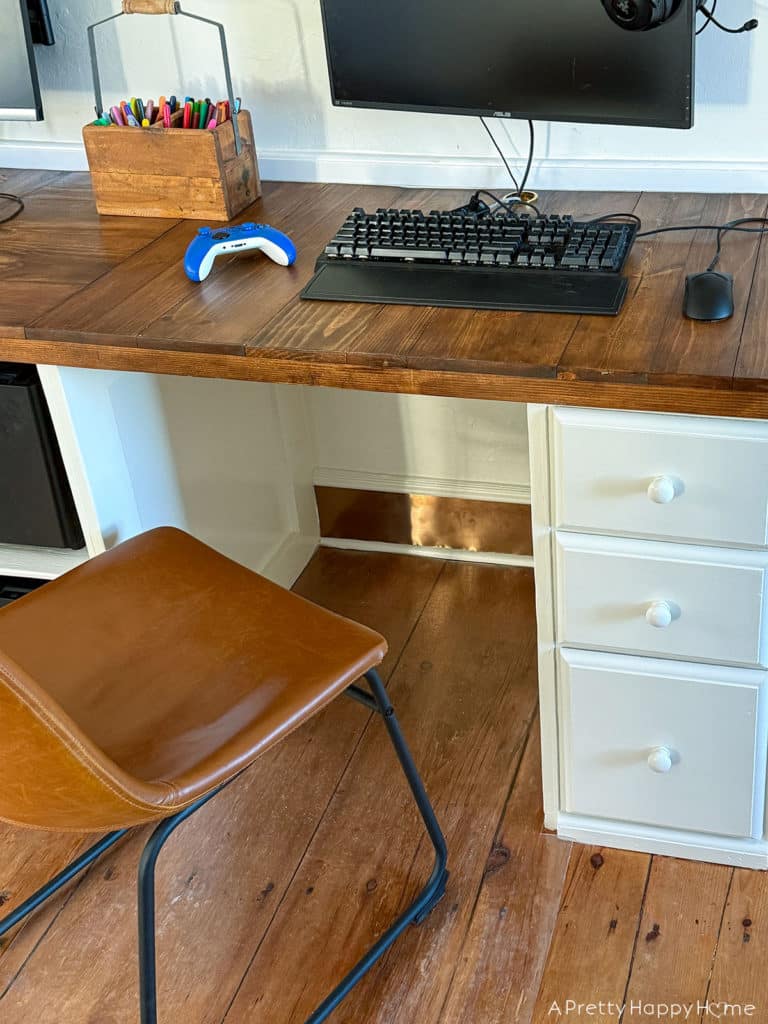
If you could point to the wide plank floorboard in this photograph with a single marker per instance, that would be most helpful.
(272, 891)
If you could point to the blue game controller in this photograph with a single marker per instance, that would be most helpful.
(213, 242)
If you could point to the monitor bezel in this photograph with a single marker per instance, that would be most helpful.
(687, 9)
(26, 113)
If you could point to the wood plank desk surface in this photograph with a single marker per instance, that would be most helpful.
(110, 292)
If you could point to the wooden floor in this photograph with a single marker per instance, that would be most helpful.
(273, 890)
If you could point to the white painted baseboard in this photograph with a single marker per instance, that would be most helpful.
(441, 487)
(288, 559)
(743, 853)
(447, 554)
(417, 171)
(47, 156)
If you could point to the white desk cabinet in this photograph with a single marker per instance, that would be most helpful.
(650, 550)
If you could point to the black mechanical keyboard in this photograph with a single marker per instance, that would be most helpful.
(482, 261)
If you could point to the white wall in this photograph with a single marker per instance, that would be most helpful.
(419, 444)
(210, 456)
(279, 62)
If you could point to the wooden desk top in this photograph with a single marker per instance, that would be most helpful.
(108, 292)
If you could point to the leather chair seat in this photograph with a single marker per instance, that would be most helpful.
(151, 675)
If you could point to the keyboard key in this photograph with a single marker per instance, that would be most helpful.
(384, 252)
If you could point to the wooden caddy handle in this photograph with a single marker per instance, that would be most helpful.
(150, 7)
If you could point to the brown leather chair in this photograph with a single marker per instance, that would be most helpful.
(134, 688)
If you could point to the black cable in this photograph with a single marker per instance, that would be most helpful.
(735, 225)
(499, 150)
(12, 199)
(507, 202)
(708, 227)
(708, 15)
(617, 216)
(748, 26)
(515, 199)
(721, 229)
(531, 147)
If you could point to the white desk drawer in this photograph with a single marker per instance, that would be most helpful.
(662, 600)
(663, 743)
(672, 477)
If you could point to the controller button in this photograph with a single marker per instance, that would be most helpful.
(220, 235)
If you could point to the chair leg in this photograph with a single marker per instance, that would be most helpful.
(60, 880)
(434, 890)
(146, 893)
(421, 907)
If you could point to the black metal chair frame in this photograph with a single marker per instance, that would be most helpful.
(376, 700)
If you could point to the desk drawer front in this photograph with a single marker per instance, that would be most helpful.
(661, 600)
(663, 744)
(676, 477)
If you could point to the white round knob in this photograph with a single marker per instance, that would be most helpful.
(660, 615)
(664, 489)
(660, 760)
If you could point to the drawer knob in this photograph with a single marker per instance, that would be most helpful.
(664, 489)
(661, 614)
(660, 760)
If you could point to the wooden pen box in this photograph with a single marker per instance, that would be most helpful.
(173, 172)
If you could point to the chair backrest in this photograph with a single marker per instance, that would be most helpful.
(51, 776)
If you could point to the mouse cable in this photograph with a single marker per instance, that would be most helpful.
(12, 199)
(721, 229)
(736, 225)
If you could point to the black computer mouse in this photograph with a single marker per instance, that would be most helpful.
(709, 296)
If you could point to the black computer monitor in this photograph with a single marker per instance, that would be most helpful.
(549, 60)
(19, 89)
(40, 22)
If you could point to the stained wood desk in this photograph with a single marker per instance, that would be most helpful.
(110, 292)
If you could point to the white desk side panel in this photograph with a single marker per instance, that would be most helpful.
(207, 456)
(538, 431)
